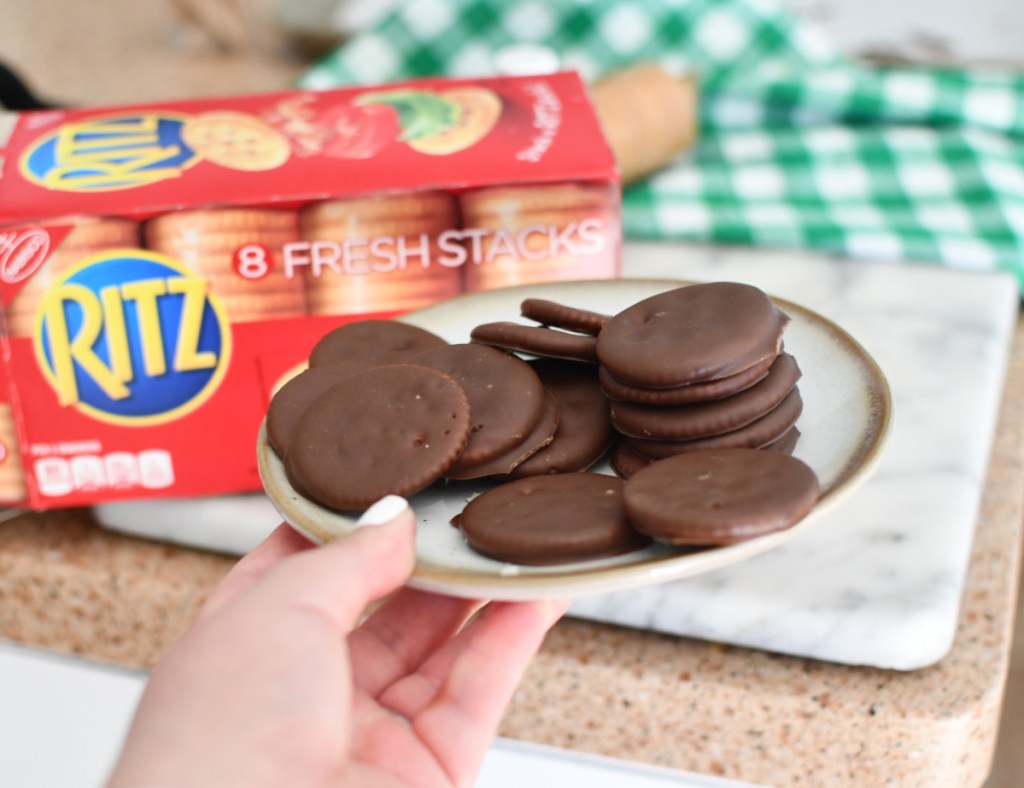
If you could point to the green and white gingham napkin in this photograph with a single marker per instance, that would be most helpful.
(799, 146)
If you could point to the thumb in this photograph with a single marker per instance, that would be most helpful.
(344, 575)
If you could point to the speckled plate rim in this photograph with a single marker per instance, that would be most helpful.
(657, 565)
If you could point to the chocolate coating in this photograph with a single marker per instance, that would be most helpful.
(539, 341)
(691, 334)
(585, 429)
(551, 519)
(719, 496)
(505, 395)
(703, 419)
(770, 427)
(536, 441)
(291, 401)
(691, 392)
(382, 341)
(786, 444)
(626, 460)
(390, 429)
(551, 313)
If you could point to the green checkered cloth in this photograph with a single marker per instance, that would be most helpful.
(799, 146)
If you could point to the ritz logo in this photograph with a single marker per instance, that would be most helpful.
(132, 338)
(110, 152)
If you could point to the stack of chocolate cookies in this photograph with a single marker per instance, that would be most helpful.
(700, 367)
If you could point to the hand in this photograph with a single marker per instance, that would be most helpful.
(275, 685)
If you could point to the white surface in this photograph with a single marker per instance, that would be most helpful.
(62, 722)
(229, 523)
(879, 581)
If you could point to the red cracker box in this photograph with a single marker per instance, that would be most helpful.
(164, 267)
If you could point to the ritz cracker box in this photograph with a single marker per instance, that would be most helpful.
(165, 267)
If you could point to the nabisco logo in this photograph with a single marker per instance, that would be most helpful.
(21, 253)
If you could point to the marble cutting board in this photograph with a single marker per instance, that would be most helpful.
(877, 582)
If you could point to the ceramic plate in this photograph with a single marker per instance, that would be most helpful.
(845, 421)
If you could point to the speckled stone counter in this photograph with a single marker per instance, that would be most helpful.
(69, 586)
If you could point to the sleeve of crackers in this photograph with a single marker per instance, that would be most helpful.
(648, 115)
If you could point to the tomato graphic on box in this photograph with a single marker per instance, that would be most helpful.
(440, 123)
(357, 131)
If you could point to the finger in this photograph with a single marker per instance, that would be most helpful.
(282, 542)
(411, 694)
(339, 579)
(460, 722)
(401, 634)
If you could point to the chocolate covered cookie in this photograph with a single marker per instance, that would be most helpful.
(691, 334)
(389, 430)
(584, 431)
(551, 313)
(786, 444)
(767, 429)
(291, 401)
(703, 419)
(538, 439)
(688, 393)
(537, 340)
(505, 395)
(382, 341)
(719, 496)
(551, 519)
(626, 460)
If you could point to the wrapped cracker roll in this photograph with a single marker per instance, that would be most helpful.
(239, 252)
(384, 250)
(90, 236)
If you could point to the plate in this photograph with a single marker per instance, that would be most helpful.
(844, 425)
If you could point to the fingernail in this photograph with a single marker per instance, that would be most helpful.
(384, 511)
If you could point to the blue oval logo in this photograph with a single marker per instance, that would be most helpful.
(110, 152)
(132, 338)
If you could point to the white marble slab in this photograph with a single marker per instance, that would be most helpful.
(877, 582)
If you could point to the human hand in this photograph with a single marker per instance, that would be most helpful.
(275, 685)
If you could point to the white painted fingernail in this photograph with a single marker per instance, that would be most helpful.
(384, 511)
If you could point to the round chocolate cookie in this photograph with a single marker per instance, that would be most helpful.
(626, 460)
(719, 496)
(691, 334)
(383, 341)
(504, 464)
(554, 314)
(767, 429)
(537, 340)
(585, 429)
(505, 395)
(291, 401)
(554, 519)
(703, 419)
(391, 429)
(786, 444)
(691, 392)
